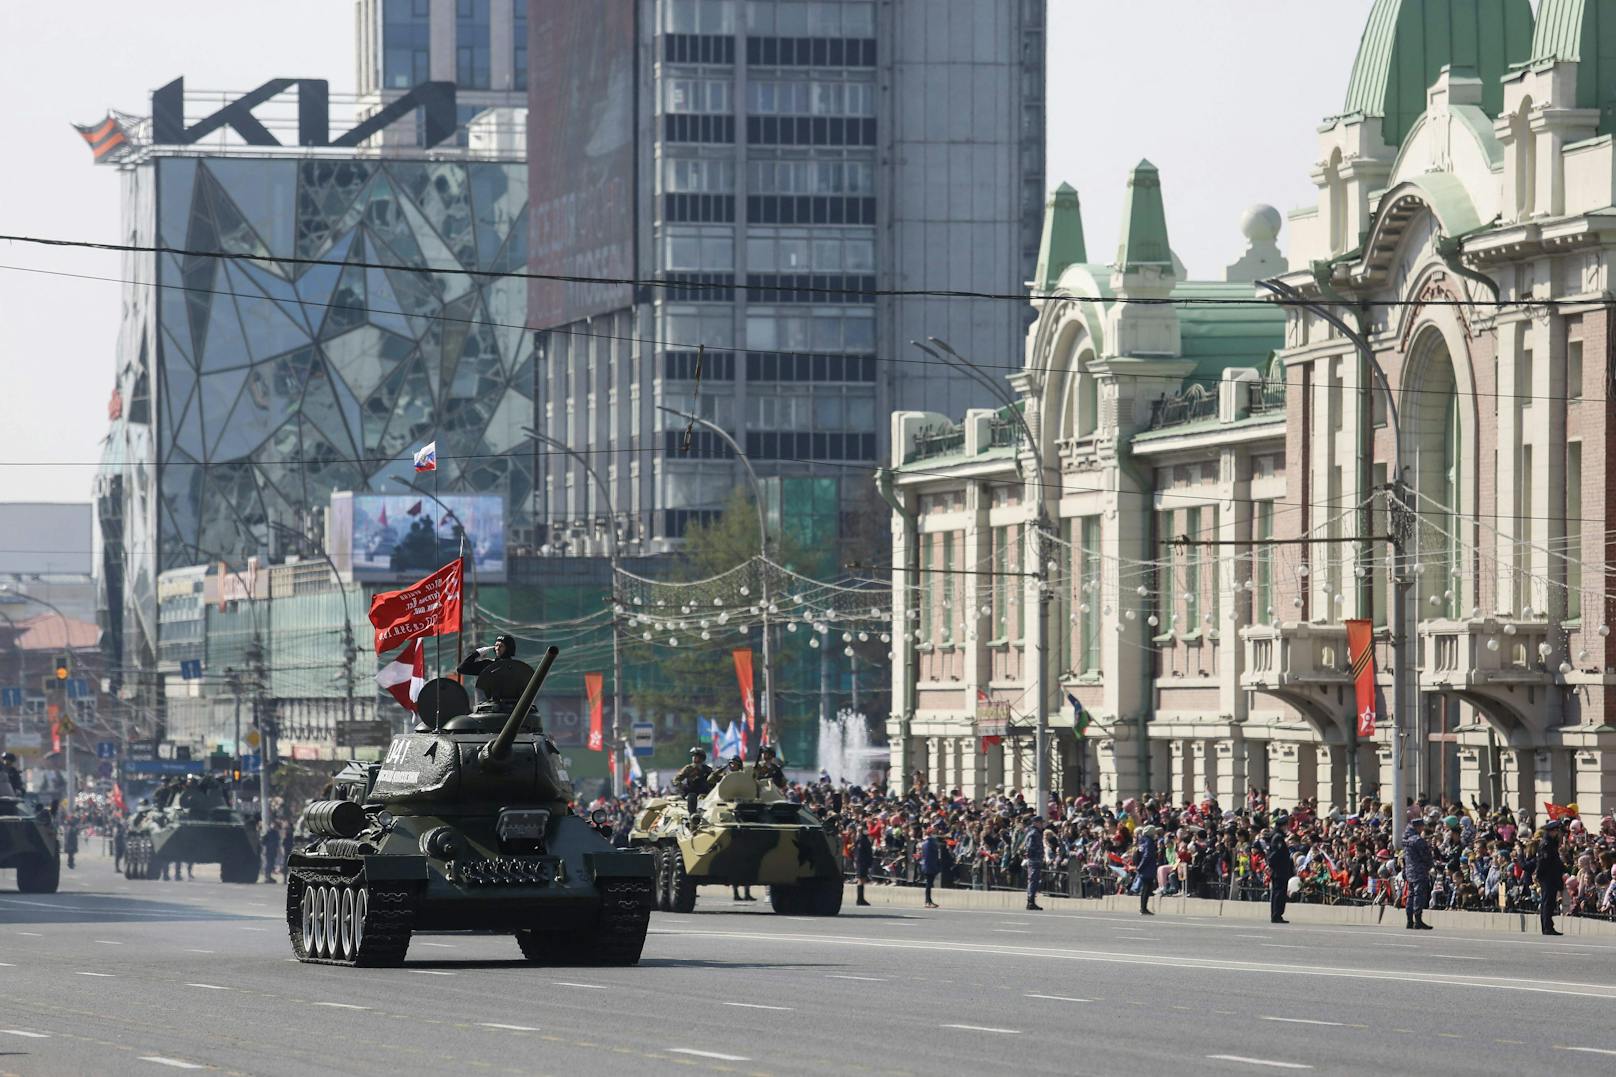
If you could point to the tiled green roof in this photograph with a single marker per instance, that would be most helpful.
(1407, 43)
(1583, 31)
(1218, 336)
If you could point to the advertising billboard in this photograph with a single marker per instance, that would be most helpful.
(41, 538)
(395, 538)
(582, 90)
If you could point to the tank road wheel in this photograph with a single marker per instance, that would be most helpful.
(335, 919)
(39, 875)
(824, 897)
(681, 887)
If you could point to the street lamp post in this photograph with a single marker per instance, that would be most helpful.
(1370, 371)
(619, 780)
(763, 541)
(1040, 555)
(349, 653)
(67, 645)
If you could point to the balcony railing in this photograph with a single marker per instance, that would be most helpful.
(934, 441)
(1003, 432)
(1182, 408)
(1265, 397)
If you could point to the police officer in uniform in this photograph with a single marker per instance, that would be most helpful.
(8, 761)
(483, 657)
(767, 770)
(1280, 868)
(1551, 872)
(694, 779)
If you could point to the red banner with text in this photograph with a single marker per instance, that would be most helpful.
(743, 676)
(427, 607)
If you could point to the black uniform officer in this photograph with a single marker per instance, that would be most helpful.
(1280, 869)
(694, 779)
(1551, 872)
(767, 770)
(8, 762)
(483, 657)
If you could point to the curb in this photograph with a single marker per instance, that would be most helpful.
(1353, 915)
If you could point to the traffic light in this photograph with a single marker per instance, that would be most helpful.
(64, 668)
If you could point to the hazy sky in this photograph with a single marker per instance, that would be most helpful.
(1224, 96)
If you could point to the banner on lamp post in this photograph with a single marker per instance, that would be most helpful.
(1361, 652)
(743, 676)
(594, 688)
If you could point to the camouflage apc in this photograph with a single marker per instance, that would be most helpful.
(28, 841)
(464, 826)
(191, 823)
(744, 834)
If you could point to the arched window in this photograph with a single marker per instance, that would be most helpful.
(1435, 421)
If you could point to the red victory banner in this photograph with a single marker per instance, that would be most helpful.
(743, 676)
(1361, 651)
(428, 607)
(595, 689)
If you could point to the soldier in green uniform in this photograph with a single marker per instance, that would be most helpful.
(767, 770)
(694, 779)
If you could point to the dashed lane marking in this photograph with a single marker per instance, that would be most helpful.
(1300, 1021)
(1261, 1062)
(109, 942)
(175, 1063)
(1587, 1050)
(342, 1006)
(1012, 931)
(587, 987)
(31, 934)
(190, 951)
(756, 1006)
(1281, 946)
(507, 1028)
(1061, 998)
(25, 1033)
(1456, 957)
(430, 972)
(707, 1054)
(104, 975)
(209, 987)
(439, 945)
(844, 976)
(985, 1028)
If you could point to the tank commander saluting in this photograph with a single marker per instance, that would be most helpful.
(474, 663)
(694, 779)
(767, 770)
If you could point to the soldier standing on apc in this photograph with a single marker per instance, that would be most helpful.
(693, 780)
(767, 770)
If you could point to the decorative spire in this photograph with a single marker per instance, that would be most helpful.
(1062, 244)
(1144, 222)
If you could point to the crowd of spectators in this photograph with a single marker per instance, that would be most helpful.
(1484, 858)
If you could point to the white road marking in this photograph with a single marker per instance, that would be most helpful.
(31, 934)
(1588, 1050)
(1251, 936)
(1011, 931)
(107, 975)
(588, 987)
(1261, 1062)
(1300, 1021)
(209, 987)
(342, 1006)
(174, 1062)
(707, 1054)
(255, 929)
(1396, 945)
(430, 972)
(756, 1006)
(108, 942)
(1061, 998)
(868, 979)
(24, 1032)
(439, 945)
(508, 1028)
(985, 1028)
(1456, 957)
(189, 951)
(6, 965)
(1281, 946)
(1015, 923)
(1179, 962)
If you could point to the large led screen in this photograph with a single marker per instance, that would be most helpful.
(401, 537)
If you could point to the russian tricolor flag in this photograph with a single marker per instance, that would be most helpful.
(426, 459)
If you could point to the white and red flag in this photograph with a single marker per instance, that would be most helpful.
(405, 674)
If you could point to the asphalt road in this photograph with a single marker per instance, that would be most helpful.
(110, 976)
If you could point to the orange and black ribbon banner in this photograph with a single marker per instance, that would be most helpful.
(1361, 650)
(103, 137)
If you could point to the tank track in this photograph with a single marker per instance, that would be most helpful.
(625, 915)
(388, 923)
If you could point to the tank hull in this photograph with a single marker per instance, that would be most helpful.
(231, 845)
(28, 844)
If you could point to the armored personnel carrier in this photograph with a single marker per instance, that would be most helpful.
(191, 822)
(28, 841)
(465, 826)
(744, 834)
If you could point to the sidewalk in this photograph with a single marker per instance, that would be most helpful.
(911, 897)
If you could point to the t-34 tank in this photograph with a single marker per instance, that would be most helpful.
(745, 834)
(465, 826)
(28, 840)
(191, 822)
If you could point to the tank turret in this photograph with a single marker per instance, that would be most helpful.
(465, 825)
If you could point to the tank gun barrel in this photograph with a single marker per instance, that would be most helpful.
(500, 747)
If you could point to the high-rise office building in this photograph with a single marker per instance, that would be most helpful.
(769, 167)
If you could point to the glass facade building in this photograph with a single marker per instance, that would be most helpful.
(251, 390)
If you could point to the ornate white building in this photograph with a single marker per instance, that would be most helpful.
(1466, 213)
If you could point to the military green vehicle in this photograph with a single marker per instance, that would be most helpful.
(465, 826)
(191, 822)
(744, 834)
(28, 841)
